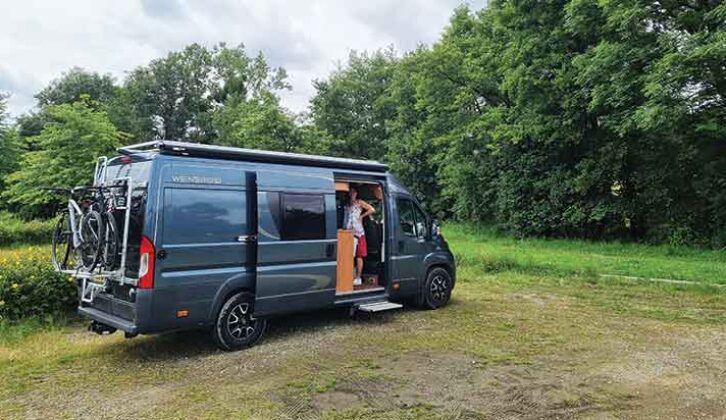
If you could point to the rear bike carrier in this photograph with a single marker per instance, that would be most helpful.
(94, 281)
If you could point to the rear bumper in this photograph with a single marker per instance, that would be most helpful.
(108, 319)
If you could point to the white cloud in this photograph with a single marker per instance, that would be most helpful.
(41, 39)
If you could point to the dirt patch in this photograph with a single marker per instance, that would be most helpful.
(337, 400)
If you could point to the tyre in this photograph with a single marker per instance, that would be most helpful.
(110, 247)
(437, 289)
(92, 234)
(235, 328)
(62, 253)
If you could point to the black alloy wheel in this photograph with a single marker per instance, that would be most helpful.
(236, 327)
(437, 289)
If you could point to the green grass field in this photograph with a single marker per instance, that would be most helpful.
(533, 330)
(481, 248)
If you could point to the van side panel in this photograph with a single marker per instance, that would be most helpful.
(294, 274)
(204, 210)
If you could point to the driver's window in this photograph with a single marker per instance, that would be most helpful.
(421, 222)
(406, 217)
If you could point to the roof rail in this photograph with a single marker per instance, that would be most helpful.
(234, 153)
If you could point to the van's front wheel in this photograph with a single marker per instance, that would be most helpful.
(437, 289)
(235, 327)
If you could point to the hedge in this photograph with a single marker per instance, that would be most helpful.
(14, 230)
(30, 287)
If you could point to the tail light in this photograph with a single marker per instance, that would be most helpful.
(146, 265)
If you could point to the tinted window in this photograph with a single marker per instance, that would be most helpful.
(303, 216)
(138, 171)
(203, 216)
(411, 218)
(420, 221)
(406, 217)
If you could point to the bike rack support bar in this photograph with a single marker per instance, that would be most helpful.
(127, 220)
(99, 174)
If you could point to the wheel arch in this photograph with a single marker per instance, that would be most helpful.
(230, 288)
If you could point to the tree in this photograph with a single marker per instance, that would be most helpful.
(258, 123)
(350, 105)
(9, 145)
(66, 89)
(69, 146)
(75, 83)
(573, 118)
(175, 97)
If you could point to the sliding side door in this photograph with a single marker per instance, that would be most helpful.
(296, 256)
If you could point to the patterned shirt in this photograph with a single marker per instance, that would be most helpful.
(352, 219)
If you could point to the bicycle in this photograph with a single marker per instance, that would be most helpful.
(105, 206)
(77, 234)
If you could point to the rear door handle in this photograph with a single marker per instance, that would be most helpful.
(401, 246)
(247, 238)
(329, 250)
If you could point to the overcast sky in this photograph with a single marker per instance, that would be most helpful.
(41, 39)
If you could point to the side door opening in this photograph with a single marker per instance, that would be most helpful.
(374, 276)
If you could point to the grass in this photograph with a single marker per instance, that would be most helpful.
(484, 249)
(529, 333)
(14, 230)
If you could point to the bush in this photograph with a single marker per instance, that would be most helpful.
(14, 230)
(30, 287)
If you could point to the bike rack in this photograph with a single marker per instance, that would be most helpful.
(101, 171)
(89, 287)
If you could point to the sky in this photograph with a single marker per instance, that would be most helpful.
(40, 39)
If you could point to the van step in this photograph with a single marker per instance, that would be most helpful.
(378, 306)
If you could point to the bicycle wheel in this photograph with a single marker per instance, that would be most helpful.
(110, 252)
(92, 233)
(62, 251)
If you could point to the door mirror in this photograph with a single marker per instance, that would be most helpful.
(421, 230)
(435, 228)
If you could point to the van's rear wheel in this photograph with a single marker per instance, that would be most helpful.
(235, 327)
(437, 289)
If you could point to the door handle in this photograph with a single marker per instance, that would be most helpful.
(246, 238)
(401, 246)
(329, 250)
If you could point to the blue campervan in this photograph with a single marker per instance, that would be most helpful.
(223, 239)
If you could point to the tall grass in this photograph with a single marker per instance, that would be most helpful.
(485, 249)
(14, 230)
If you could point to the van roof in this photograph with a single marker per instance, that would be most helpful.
(179, 148)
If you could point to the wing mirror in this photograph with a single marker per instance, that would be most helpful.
(435, 228)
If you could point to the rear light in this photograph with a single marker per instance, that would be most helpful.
(146, 265)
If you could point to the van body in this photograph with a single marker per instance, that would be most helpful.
(209, 224)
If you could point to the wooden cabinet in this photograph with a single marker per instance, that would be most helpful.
(345, 261)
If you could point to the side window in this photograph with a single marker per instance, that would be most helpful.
(303, 217)
(203, 216)
(421, 225)
(406, 217)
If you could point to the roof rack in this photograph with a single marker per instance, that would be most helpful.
(180, 148)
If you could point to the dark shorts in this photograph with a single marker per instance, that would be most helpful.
(362, 249)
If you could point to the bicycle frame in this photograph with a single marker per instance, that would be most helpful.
(74, 210)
